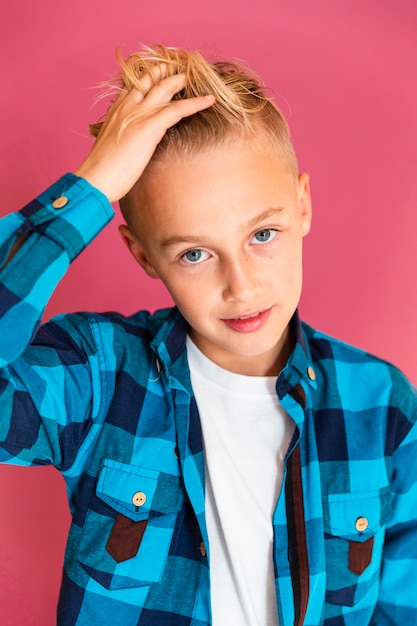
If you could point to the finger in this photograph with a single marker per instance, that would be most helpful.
(147, 81)
(124, 103)
(178, 109)
(135, 95)
(163, 91)
(159, 94)
(116, 104)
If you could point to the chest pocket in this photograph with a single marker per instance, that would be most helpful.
(354, 526)
(129, 526)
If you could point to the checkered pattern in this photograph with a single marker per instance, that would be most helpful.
(107, 399)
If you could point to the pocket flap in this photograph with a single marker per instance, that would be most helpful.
(136, 491)
(356, 515)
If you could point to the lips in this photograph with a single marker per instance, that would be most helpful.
(248, 323)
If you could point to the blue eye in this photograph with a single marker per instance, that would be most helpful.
(193, 257)
(264, 236)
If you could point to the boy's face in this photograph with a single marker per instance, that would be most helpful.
(223, 230)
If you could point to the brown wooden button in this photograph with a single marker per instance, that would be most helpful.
(202, 549)
(60, 202)
(139, 498)
(361, 524)
(311, 373)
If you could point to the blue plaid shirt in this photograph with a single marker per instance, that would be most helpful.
(107, 399)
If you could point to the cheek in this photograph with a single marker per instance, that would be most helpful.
(288, 259)
(183, 291)
(285, 279)
(195, 298)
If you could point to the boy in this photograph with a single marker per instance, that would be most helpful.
(225, 463)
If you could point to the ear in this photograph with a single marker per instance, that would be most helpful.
(304, 203)
(137, 250)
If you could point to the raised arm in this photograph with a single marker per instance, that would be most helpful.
(50, 378)
(38, 243)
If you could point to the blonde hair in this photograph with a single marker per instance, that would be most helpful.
(241, 105)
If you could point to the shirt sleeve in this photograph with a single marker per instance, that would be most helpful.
(60, 223)
(47, 375)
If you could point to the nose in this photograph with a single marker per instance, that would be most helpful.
(240, 279)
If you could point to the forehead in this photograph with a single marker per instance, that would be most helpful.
(244, 172)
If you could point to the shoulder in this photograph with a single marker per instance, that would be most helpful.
(324, 347)
(360, 378)
(92, 331)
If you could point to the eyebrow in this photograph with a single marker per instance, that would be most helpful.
(191, 239)
(264, 216)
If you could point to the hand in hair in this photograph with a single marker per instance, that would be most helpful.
(135, 124)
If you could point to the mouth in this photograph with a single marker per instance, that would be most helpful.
(248, 323)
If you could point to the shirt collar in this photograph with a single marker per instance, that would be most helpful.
(169, 344)
(169, 341)
(299, 365)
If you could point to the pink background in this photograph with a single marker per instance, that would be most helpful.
(344, 73)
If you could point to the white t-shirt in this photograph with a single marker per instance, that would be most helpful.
(246, 435)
